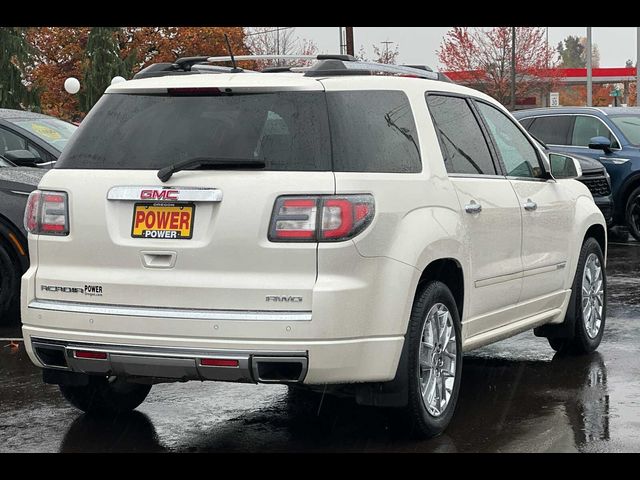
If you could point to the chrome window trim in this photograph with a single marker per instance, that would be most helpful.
(176, 313)
(576, 115)
(530, 179)
(476, 175)
(185, 194)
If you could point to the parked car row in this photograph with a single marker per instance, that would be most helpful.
(30, 144)
(607, 134)
(327, 228)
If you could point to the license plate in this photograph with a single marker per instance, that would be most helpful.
(166, 221)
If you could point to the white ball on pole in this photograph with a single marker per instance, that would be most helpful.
(72, 85)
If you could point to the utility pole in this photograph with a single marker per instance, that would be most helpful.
(349, 35)
(589, 70)
(341, 42)
(385, 55)
(513, 68)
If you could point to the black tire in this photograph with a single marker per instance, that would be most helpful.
(9, 286)
(632, 212)
(581, 342)
(423, 423)
(106, 396)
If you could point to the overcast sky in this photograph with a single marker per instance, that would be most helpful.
(418, 45)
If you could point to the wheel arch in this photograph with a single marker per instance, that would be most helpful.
(449, 271)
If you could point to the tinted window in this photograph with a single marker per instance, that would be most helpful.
(53, 131)
(373, 131)
(518, 155)
(585, 128)
(526, 122)
(551, 130)
(11, 141)
(630, 126)
(464, 147)
(287, 130)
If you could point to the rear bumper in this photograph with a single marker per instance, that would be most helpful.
(352, 331)
(171, 363)
(180, 358)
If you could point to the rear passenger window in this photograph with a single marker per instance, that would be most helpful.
(373, 131)
(586, 128)
(553, 130)
(463, 145)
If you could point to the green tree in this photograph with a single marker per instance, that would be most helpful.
(103, 62)
(573, 53)
(15, 59)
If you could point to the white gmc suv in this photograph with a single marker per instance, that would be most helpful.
(348, 225)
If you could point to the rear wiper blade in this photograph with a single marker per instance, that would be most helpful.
(165, 173)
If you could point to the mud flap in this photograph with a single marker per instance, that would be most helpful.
(565, 329)
(387, 394)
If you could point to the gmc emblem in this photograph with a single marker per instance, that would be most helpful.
(159, 194)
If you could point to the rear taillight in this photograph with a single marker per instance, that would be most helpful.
(320, 218)
(47, 213)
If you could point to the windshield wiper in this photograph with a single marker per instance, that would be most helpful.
(165, 173)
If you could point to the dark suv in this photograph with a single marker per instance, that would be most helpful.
(609, 135)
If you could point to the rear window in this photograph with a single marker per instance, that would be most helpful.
(287, 130)
(373, 131)
(363, 131)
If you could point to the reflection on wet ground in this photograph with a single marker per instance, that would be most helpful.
(516, 396)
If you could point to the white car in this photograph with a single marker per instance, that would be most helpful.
(330, 226)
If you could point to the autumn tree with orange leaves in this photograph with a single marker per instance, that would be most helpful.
(485, 58)
(60, 52)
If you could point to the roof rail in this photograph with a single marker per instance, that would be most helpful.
(336, 67)
(326, 65)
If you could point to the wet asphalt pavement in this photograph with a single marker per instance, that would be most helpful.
(516, 396)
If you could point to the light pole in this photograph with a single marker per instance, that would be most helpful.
(589, 70)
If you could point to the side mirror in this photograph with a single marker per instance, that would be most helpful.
(22, 158)
(600, 143)
(563, 166)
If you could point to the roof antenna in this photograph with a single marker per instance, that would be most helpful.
(235, 69)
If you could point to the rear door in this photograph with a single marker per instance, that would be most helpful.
(200, 239)
(490, 212)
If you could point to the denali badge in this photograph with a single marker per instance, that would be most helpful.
(283, 298)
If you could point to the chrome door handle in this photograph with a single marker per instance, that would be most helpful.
(530, 205)
(473, 207)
